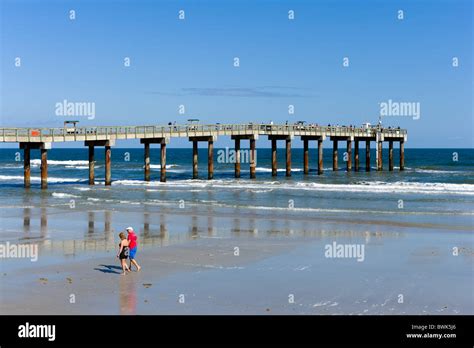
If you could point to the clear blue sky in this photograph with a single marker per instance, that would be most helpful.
(283, 62)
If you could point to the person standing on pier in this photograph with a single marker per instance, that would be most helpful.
(132, 238)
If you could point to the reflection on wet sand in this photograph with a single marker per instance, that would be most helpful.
(43, 223)
(91, 221)
(210, 226)
(193, 227)
(127, 295)
(26, 220)
(165, 228)
(146, 224)
(108, 217)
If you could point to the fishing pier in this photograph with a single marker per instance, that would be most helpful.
(43, 138)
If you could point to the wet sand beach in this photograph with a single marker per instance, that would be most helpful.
(221, 261)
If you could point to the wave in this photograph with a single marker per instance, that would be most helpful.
(11, 166)
(83, 188)
(168, 166)
(129, 202)
(37, 162)
(94, 199)
(38, 179)
(359, 187)
(309, 210)
(268, 170)
(63, 195)
(436, 171)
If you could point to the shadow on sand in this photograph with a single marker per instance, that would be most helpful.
(109, 269)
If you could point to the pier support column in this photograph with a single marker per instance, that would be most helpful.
(356, 155)
(252, 159)
(288, 156)
(402, 155)
(320, 156)
(334, 155)
(367, 155)
(147, 161)
(237, 158)
(349, 155)
(195, 159)
(305, 157)
(210, 154)
(390, 155)
(91, 165)
(44, 168)
(26, 167)
(379, 156)
(108, 159)
(210, 160)
(163, 162)
(274, 158)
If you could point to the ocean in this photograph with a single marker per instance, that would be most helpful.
(432, 184)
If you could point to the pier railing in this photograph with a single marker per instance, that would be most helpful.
(133, 132)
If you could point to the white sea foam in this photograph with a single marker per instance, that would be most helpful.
(268, 170)
(83, 188)
(38, 179)
(11, 166)
(434, 171)
(361, 187)
(345, 211)
(158, 166)
(63, 195)
(37, 162)
(285, 209)
(129, 202)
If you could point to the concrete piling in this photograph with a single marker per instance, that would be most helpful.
(26, 167)
(195, 159)
(91, 165)
(163, 161)
(108, 165)
(356, 155)
(147, 161)
(320, 156)
(402, 155)
(44, 168)
(253, 159)
(367, 155)
(274, 157)
(210, 160)
(390, 155)
(349, 155)
(379, 156)
(288, 156)
(237, 158)
(305, 157)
